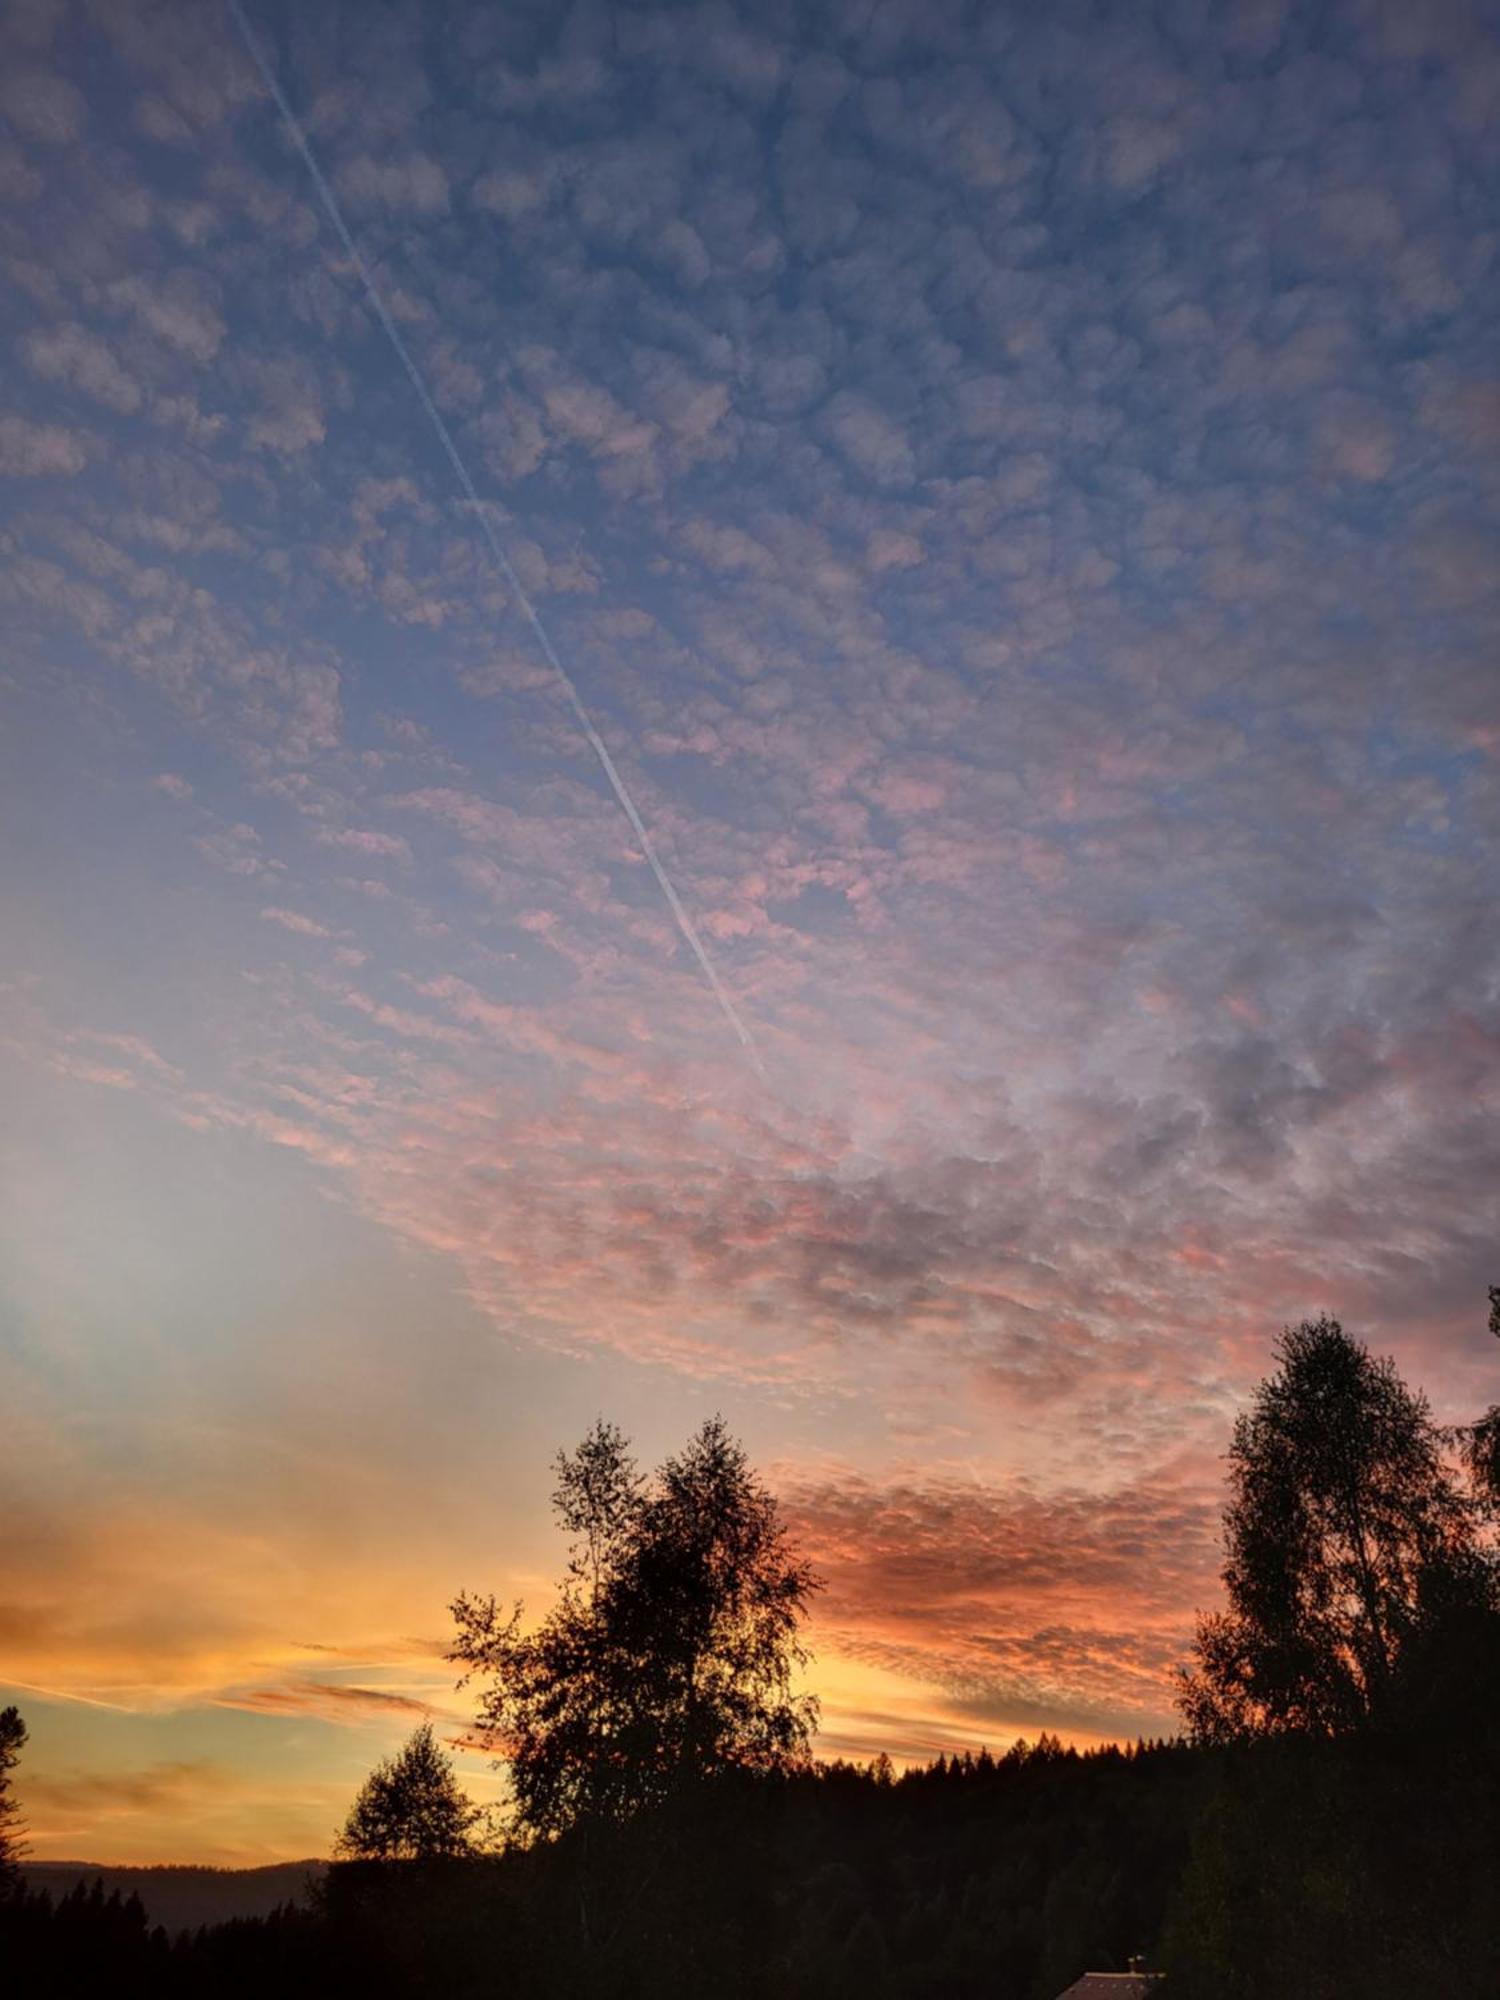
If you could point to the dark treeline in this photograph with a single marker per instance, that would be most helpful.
(984, 1877)
(1328, 1825)
(1270, 1869)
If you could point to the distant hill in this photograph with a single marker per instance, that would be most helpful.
(183, 1898)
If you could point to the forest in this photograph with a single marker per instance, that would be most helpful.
(1326, 1823)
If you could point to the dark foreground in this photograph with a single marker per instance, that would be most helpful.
(1296, 1870)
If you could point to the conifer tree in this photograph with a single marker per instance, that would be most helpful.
(12, 1840)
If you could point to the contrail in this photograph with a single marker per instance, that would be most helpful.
(62, 1694)
(482, 513)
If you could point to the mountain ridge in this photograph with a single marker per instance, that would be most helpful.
(181, 1895)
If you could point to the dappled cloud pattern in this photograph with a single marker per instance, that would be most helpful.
(1017, 490)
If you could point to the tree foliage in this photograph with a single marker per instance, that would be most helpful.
(1482, 1443)
(12, 1840)
(410, 1808)
(671, 1653)
(1348, 1544)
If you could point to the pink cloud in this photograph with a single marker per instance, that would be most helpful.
(33, 451)
(294, 921)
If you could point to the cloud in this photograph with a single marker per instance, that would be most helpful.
(289, 415)
(82, 1059)
(368, 841)
(873, 444)
(237, 849)
(1021, 1607)
(331, 1701)
(589, 415)
(87, 1798)
(70, 353)
(294, 921)
(179, 308)
(29, 450)
(416, 185)
(44, 106)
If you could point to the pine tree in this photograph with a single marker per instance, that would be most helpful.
(12, 1838)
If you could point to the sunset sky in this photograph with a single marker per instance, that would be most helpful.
(1014, 489)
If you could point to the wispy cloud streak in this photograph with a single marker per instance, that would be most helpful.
(496, 546)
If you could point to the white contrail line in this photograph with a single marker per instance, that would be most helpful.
(596, 742)
(62, 1694)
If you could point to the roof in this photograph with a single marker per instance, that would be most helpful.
(1110, 1986)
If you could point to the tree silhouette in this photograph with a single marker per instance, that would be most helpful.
(410, 1808)
(598, 1500)
(12, 1838)
(1346, 1541)
(670, 1656)
(1481, 1444)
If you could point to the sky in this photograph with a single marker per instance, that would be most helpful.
(841, 767)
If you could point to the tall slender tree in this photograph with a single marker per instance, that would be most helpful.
(671, 1654)
(598, 1500)
(1346, 1539)
(12, 1832)
(1482, 1442)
